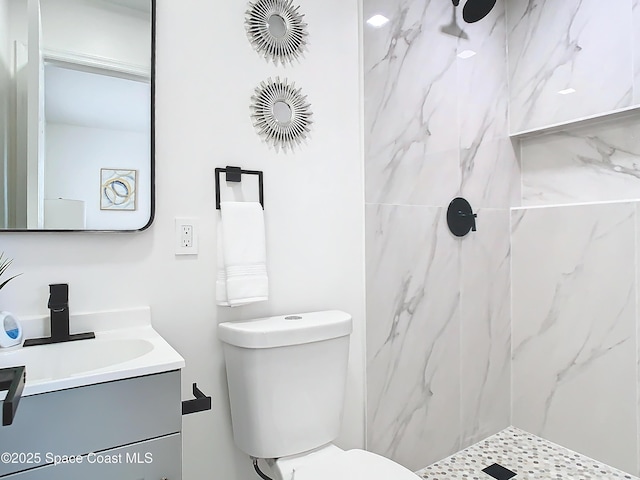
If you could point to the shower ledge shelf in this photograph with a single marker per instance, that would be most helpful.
(581, 122)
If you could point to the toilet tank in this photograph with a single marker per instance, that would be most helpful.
(286, 378)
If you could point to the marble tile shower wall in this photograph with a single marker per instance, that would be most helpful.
(574, 328)
(590, 164)
(574, 267)
(438, 308)
(438, 337)
(592, 47)
(587, 45)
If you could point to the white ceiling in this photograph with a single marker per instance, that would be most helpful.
(81, 98)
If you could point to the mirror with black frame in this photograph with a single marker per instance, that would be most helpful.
(76, 115)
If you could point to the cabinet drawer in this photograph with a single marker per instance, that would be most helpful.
(93, 418)
(151, 460)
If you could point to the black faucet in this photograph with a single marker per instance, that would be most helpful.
(59, 306)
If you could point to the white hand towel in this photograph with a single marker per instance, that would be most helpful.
(242, 259)
(221, 279)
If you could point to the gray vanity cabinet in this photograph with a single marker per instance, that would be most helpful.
(127, 430)
(164, 462)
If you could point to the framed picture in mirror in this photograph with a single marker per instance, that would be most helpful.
(118, 189)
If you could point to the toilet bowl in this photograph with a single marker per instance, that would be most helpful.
(287, 376)
(330, 462)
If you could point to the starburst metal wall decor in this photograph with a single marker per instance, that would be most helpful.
(276, 30)
(281, 114)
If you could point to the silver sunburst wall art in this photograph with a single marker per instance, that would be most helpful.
(276, 30)
(281, 114)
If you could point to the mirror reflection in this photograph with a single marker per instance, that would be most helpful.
(277, 26)
(75, 114)
(282, 112)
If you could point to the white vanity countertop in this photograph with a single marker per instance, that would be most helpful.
(126, 346)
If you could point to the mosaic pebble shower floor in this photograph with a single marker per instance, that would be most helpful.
(528, 456)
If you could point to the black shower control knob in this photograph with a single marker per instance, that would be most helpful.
(460, 217)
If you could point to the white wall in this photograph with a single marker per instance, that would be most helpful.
(5, 79)
(78, 153)
(206, 72)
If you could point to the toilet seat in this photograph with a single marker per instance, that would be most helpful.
(352, 465)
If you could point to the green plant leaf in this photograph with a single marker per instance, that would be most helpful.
(4, 265)
(8, 280)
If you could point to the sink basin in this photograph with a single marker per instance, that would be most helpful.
(125, 346)
(61, 360)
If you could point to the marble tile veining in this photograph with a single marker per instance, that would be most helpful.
(586, 46)
(590, 164)
(418, 179)
(490, 174)
(485, 327)
(529, 456)
(435, 127)
(413, 353)
(573, 324)
(435, 123)
(410, 107)
(482, 90)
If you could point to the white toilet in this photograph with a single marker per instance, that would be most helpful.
(287, 377)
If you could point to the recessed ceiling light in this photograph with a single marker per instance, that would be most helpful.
(567, 91)
(466, 54)
(377, 20)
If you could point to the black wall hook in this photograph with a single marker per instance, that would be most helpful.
(460, 217)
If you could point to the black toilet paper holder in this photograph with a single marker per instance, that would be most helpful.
(12, 380)
(200, 403)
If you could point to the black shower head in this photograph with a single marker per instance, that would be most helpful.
(475, 10)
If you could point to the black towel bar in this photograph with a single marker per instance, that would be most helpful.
(234, 174)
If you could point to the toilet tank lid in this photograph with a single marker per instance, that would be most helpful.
(283, 330)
